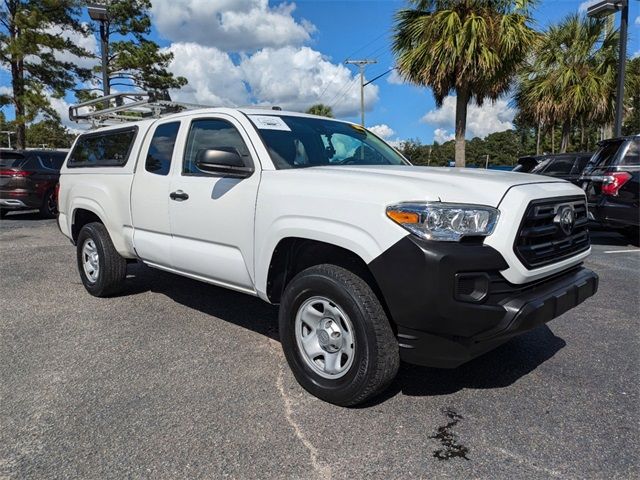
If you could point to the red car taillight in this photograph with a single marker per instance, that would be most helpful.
(56, 193)
(14, 173)
(613, 182)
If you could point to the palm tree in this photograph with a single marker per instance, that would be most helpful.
(321, 109)
(571, 77)
(472, 47)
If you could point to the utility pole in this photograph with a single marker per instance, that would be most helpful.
(99, 13)
(361, 65)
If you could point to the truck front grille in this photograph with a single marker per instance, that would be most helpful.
(548, 235)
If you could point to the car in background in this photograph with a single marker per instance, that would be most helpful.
(28, 180)
(568, 166)
(611, 181)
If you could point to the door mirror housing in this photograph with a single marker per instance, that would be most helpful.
(226, 162)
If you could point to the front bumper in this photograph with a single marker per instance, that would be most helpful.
(419, 282)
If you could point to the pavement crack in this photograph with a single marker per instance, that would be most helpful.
(323, 471)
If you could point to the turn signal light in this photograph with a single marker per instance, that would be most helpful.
(613, 182)
(403, 217)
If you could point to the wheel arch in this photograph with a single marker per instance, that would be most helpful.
(294, 254)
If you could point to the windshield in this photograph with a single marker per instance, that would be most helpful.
(297, 142)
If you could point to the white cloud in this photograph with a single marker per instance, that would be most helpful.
(293, 78)
(296, 78)
(88, 42)
(585, 5)
(230, 25)
(481, 121)
(213, 78)
(383, 131)
(394, 78)
(637, 22)
(441, 135)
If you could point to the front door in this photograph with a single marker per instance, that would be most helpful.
(212, 217)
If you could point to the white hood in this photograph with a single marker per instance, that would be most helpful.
(412, 183)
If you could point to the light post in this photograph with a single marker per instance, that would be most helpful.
(8, 133)
(98, 12)
(603, 9)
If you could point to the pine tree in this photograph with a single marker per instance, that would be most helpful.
(31, 48)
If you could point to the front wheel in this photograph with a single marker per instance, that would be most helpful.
(336, 336)
(101, 267)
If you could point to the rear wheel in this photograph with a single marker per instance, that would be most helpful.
(101, 267)
(49, 207)
(633, 235)
(336, 336)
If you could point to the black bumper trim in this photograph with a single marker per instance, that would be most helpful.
(434, 329)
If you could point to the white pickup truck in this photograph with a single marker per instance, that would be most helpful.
(371, 259)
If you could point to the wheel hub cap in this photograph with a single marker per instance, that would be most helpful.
(324, 336)
(90, 260)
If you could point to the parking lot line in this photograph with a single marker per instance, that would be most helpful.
(622, 251)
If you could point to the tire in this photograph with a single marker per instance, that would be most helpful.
(633, 235)
(3, 213)
(373, 362)
(49, 209)
(109, 276)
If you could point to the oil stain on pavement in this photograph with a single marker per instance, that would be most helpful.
(449, 439)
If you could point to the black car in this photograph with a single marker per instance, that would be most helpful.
(611, 181)
(28, 179)
(568, 166)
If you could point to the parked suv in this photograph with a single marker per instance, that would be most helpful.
(612, 183)
(568, 166)
(371, 259)
(28, 179)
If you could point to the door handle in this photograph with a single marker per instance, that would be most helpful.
(178, 195)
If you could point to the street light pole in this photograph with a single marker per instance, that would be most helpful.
(99, 13)
(622, 63)
(603, 9)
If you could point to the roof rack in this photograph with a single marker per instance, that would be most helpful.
(127, 107)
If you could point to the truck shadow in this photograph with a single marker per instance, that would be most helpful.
(496, 369)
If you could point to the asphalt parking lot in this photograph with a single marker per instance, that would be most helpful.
(178, 379)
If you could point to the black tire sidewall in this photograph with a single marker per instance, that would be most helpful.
(44, 209)
(91, 231)
(338, 390)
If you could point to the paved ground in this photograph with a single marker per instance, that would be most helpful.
(179, 379)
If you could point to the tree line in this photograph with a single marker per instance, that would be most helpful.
(38, 46)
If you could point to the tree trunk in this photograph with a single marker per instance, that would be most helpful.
(553, 138)
(538, 138)
(583, 147)
(566, 133)
(462, 100)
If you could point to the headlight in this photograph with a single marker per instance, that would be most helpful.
(444, 221)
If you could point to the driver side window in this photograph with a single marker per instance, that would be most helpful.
(214, 134)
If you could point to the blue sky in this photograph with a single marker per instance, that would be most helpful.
(238, 52)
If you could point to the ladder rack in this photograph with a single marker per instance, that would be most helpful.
(127, 107)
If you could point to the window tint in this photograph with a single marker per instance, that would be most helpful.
(581, 162)
(632, 157)
(161, 148)
(10, 159)
(605, 156)
(51, 161)
(560, 166)
(108, 149)
(212, 134)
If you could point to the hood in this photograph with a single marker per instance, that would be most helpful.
(412, 183)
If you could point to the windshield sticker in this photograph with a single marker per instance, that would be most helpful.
(268, 122)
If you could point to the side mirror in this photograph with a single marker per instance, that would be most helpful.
(222, 162)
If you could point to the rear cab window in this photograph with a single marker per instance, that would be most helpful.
(110, 148)
(632, 155)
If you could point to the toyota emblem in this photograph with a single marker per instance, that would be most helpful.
(565, 218)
